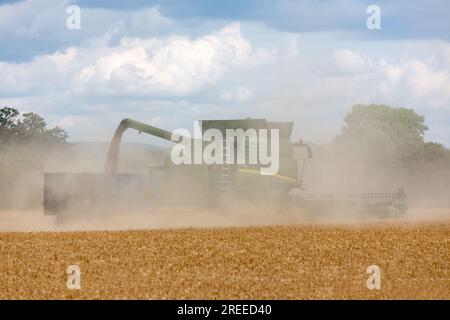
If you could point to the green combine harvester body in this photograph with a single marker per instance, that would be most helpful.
(212, 186)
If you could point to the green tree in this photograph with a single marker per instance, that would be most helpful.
(434, 154)
(31, 128)
(8, 121)
(8, 118)
(384, 133)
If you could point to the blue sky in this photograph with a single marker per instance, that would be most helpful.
(171, 62)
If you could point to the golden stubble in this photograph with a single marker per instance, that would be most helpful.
(295, 262)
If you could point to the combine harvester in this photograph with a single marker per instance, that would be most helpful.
(214, 186)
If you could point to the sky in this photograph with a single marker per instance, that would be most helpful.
(169, 63)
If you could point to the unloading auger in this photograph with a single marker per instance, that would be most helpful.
(114, 148)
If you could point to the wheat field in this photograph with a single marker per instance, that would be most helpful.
(295, 262)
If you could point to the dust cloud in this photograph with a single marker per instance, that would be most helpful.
(332, 169)
(341, 168)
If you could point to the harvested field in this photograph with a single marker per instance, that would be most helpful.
(298, 262)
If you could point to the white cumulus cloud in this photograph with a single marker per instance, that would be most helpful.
(171, 66)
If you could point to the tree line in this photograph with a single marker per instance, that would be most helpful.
(29, 127)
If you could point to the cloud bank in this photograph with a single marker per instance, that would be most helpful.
(137, 62)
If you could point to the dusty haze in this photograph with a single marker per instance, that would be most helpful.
(331, 170)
